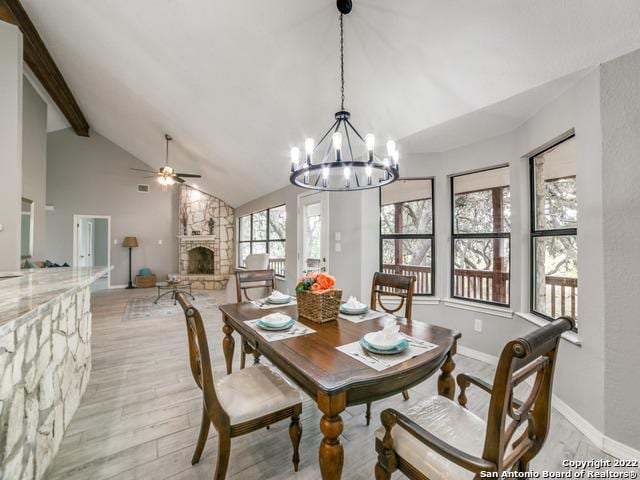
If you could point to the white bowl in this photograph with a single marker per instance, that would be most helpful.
(373, 340)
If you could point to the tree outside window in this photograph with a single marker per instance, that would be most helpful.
(554, 234)
(406, 231)
(264, 232)
(481, 226)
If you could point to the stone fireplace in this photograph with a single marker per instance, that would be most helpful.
(205, 239)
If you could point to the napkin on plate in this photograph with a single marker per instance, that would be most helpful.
(354, 304)
(389, 334)
(277, 294)
(276, 319)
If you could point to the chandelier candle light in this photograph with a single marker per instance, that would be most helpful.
(334, 172)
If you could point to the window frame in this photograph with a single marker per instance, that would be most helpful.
(474, 236)
(407, 236)
(266, 241)
(535, 233)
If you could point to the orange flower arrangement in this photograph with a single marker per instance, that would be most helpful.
(316, 282)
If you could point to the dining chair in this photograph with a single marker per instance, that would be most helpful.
(392, 285)
(238, 403)
(265, 280)
(439, 439)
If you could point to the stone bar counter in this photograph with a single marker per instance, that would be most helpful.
(45, 361)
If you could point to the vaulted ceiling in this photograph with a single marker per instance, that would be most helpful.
(237, 83)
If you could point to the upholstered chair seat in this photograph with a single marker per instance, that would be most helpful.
(255, 392)
(441, 440)
(448, 421)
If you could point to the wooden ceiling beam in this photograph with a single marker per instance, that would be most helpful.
(43, 66)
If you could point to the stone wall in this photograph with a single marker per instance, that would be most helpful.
(195, 210)
(45, 364)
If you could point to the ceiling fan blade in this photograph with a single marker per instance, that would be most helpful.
(141, 170)
(189, 175)
(178, 179)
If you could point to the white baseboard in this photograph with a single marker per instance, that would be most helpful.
(477, 355)
(608, 445)
(118, 286)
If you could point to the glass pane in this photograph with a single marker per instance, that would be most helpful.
(278, 223)
(277, 259)
(312, 237)
(260, 226)
(481, 269)
(245, 228)
(409, 256)
(406, 207)
(259, 247)
(554, 174)
(244, 249)
(482, 202)
(556, 276)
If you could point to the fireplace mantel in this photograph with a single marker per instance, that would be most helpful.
(197, 238)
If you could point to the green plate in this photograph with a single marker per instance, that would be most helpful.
(401, 347)
(266, 326)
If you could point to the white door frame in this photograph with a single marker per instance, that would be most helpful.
(76, 220)
(324, 201)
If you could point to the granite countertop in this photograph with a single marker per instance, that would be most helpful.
(35, 289)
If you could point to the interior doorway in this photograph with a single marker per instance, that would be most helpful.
(313, 233)
(92, 245)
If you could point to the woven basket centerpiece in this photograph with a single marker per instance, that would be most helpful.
(317, 300)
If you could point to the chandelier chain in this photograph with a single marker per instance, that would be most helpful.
(341, 62)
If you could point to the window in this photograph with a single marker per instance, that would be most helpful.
(264, 232)
(480, 240)
(406, 231)
(554, 233)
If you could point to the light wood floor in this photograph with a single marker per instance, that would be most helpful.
(140, 415)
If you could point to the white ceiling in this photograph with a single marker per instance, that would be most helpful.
(237, 83)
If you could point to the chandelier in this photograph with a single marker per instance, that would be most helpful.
(337, 169)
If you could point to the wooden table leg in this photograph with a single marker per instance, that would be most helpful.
(331, 451)
(446, 382)
(228, 344)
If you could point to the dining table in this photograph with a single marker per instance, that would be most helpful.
(333, 379)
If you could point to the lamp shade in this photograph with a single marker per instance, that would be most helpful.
(130, 242)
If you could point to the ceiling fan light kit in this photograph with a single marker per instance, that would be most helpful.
(336, 172)
(166, 175)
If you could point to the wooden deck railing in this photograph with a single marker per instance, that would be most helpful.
(422, 274)
(485, 285)
(278, 265)
(562, 296)
(561, 293)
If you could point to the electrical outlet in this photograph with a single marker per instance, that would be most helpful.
(160, 242)
(477, 325)
(337, 234)
(115, 242)
(338, 247)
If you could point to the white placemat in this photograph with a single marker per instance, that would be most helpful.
(271, 336)
(262, 304)
(382, 362)
(362, 317)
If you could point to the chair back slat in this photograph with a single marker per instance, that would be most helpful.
(200, 360)
(388, 284)
(253, 279)
(532, 356)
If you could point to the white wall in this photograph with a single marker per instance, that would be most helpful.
(34, 162)
(92, 176)
(620, 104)
(10, 144)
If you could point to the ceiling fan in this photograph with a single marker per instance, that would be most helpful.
(166, 175)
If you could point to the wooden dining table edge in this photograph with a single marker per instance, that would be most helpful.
(333, 401)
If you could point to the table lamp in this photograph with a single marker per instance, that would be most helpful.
(130, 242)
